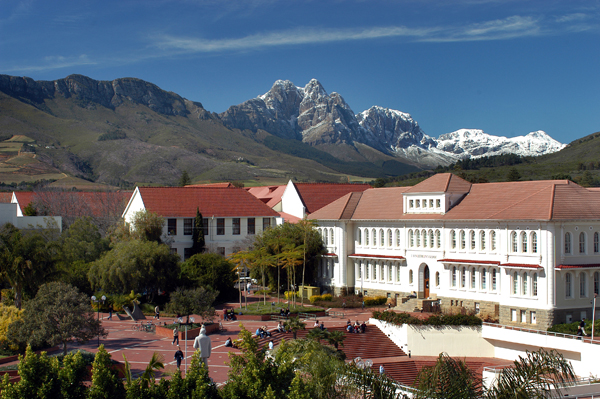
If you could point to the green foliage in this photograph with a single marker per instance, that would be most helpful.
(30, 210)
(105, 381)
(8, 315)
(59, 314)
(294, 325)
(147, 226)
(198, 241)
(321, 298)
(114, 135)
(211, 270)
(513, 175)
(193, 301)
(39, 378)
(374, 301)
(448, 379)
(184, 180)
(138, 265)
(433, 320)
(571, 328)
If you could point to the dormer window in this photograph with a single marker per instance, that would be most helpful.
(411, 204)
(438, 203)
(431, 203)
(418, 203)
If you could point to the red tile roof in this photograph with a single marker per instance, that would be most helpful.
(289, 218)
(520, 266)
(317, 195)
(442, 183)
(5, 197)
(76, 203)
(376, 256)
(225, 184)
(212, 201)
(470, 261)
(270, 195)
(594, 265)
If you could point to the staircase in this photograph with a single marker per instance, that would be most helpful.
(406, 371)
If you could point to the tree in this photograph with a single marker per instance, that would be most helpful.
(194, 301)
(148, 226)
(294, 325)
(39, 378)
(448, 378)
(59, 314)
(105, 382)
(292, 256)
(513, 175)
(198, 241)
(30, 210)
(211, 270)
(141, 266)
(184, 180)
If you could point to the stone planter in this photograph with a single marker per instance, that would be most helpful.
(191, 334)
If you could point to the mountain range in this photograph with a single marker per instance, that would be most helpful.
(127, 130)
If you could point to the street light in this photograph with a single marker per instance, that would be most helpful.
(594, 316)
(103, 298)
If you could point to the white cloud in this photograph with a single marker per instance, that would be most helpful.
(55, 62)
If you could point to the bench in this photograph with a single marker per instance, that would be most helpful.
(335, 314)
(278, 317)
(307, 316)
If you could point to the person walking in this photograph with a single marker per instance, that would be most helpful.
(178, 357)
(582, 326)
(109, 313)
(381, 369)
(157, 312)
(175, 335)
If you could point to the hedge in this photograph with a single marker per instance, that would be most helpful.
(433, 320)
(324, 298)
(374, 301)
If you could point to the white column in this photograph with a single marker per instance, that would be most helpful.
(550, 264)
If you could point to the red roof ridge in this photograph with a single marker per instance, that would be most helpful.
(552, 196)
(522, 199)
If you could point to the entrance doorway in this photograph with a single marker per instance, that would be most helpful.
(426, 282)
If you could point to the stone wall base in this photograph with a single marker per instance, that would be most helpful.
(487, 310)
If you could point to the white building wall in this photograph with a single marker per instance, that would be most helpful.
(291, 202)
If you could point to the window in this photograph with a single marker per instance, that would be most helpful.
(375, 271)
(397, 273)
(482, 240)
(431, 239)
(494, 279)
(374, 234)
(534, 285)
(367, 237)
(411, 204)
(360, 265)
(462, 239)
(473, 243)
(463, 278)
(477, 310)
(582, 242)
(418, 237)
(331, 237)
(390, 273)
(596, 242)
(324, 237)
(438, 239)
(397, 233)
(389, 238)
(582, 285)
(534, 247)
(568, 287)
(172, 227)
(251, 226)
(266, 223)
(381, 238)
(221, 251)
(515, 282)
(359, 237)
(484, 279)
(366, 271)
(418, 203)
(524, 284)
(513, 240)
(438, 203)
(493, 240)
(236, 226)
(453, 239)
(523, 316)
(188, 227)
(473, 282)
(187, 253)
(424, 233)
(596, 283)
(431, 203)
(382, 272)
(410, 277)
(533, 316)
(454, 276)
(437, 279)
(523, 242)
(220, 226)
(567, 243)
(205, 226)
(513, 315)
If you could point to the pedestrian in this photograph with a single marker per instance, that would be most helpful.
(109, 313)
(363, 304)
(582, 325)
(157, 312)
(178, 356)
(175, 335)
(381, 369)
(248, 286)
(271, 345)
(344, 304)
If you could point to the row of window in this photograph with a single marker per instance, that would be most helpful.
(385, 238)
(582, 243)
(430, 239)
(188, 226)
(523, 242)
(521, 283)
(583, 284)
(477, 279)
(424, 203)
(474, 244)
(327, 236)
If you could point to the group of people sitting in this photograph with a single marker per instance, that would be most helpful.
(228, 314)
(262, 332)
(229, 343)
(284, 312)
(357, 327)
(319, 325)
(281, 328)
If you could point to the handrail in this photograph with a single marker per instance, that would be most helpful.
(542, 332)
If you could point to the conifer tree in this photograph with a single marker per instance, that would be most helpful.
(198, 234)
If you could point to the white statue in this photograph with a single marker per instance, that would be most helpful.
(203, 342)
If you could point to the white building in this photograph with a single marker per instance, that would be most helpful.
(526, 253)
(232, 216)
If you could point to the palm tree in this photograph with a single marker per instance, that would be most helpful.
(540, 374)
(155, 364)
(241, 260)
(317, 334)
(336, 338)
(292, 257)
(449, 379)
(294, 324)
(261, 260)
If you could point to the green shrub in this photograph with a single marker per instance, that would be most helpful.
(326, 297)
(374, 301)
(261, 292)
(314, 298)
(289, 294)
(433, 320)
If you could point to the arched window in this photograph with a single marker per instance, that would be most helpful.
(515, 283)
(524, 284)
(473, 243)
(382, 272)
(411, 238)
(462, 239)
(463, 278)
(397, 233)
(494, 280)
(374, 234)
(367, 237)
(454, 276)
(418, 237)
(534, 284)
(596, 283)
(484, 279)
(513, 240)
(438, 239)
(359, 237)
(582, 285)
(482, 240)
(493, 239)
(534, 247)
(431, 242)
(596, 242)
(360, 266)
(568, 285)
(397, 273)
(567, 243)
(523, 242)
(582, 242)
(424, 234)
(381, 238)
(437, 279)
(473, 281)
(367, 271)
(331, 240)
(389, 238)
(390, 278)
(410, 277)
(374, 271)
(453, 239)
(325, 237)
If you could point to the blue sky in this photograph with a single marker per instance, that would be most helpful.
(507, 67)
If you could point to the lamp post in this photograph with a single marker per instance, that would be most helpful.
(103, 298)
(594, 316)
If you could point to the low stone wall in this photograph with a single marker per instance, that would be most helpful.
(191, 334)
